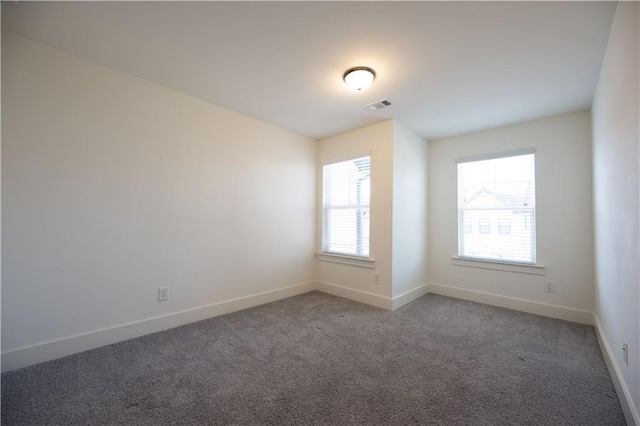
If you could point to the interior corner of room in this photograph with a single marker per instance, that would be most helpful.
(133, 203)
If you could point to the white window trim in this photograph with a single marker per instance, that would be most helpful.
(346, 259)
(345, 158)
(362, 262)
(521, 268)
(496, 155)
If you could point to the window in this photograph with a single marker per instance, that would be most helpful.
(504, 226)
(485, 226)
(468, 226)
(498, 189)
(345, 207)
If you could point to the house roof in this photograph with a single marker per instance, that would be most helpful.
(506, 200)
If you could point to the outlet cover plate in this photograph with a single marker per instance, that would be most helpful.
(163, 294)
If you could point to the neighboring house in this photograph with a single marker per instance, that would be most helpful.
(498, 226)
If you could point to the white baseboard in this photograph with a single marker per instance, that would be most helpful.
(357, 295)
(47, 351)
(553, 311)
(626, 401)
(409, 296)
(373, 299)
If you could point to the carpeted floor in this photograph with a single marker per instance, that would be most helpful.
(319, 359)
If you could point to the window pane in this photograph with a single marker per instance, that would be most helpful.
(500, 195)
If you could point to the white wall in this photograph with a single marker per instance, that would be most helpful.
(616, 205)
(353, 281)
(409, 210)
(564, 218)
(113, 186)
(398, 216)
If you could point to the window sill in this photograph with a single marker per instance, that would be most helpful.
(519, 268)
(362, 262)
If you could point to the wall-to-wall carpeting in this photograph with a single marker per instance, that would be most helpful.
(319, 359)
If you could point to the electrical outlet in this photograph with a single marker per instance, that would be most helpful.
(163, 294)
(625, 352)
(376, 278)
(550, 286)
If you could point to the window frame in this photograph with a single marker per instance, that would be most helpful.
(363, 260)
(460, 259)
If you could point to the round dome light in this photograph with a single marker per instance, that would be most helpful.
(359, 78)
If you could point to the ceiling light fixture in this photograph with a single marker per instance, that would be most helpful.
(359, 78)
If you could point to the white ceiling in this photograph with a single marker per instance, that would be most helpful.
(447, 67)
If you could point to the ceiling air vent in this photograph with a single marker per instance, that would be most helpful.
(383, 103)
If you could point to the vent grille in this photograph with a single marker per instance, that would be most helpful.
(383, 103)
